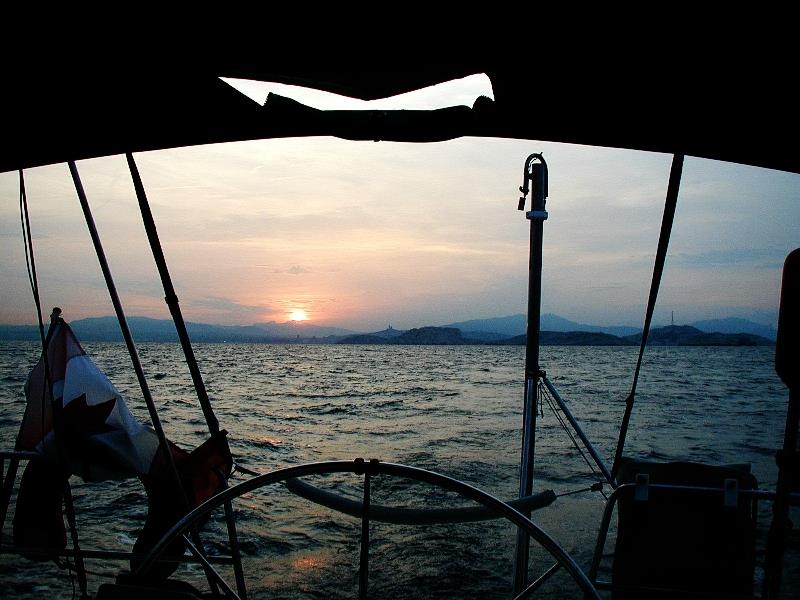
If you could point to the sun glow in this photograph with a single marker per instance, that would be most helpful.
(298, 314)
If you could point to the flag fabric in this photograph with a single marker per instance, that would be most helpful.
(84, 428)
(86, 425)
(202, 473)
(38, 528)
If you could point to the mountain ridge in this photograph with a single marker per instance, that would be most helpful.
(148, 329)
(490, 330)
(514, 325)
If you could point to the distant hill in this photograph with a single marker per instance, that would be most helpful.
(686, 335)
(389, 332)
(736, 325)
(430, 336)
(145, 329)
(484, 337)
(422, 336)
(571, 338)
(672, 335)
(580, 338)
(502, 330)
(509, 326)
(551, 322)
(514, 325)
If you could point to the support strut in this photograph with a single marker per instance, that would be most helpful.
(535, 176)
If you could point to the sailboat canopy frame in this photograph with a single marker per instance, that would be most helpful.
(718, 105)
(726, 103)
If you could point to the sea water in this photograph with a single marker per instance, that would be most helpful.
(451, 409)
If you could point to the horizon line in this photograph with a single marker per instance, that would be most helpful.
(313, 323)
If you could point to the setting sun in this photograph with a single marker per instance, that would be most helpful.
(298, 314)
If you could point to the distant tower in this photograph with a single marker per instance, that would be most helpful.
(673, 318)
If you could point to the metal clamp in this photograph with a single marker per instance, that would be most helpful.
(536, 215)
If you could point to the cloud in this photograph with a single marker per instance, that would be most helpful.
(216, 303)
(402, 232)
(293, 270)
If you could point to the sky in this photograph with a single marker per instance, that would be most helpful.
(362, 234)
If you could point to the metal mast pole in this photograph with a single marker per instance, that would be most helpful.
(535, 175)
(171, 297)
(172, 301)
(126, 333)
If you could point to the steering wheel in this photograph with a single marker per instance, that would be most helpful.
(368, 469)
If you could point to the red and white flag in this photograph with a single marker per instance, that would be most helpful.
(86, 429)
(86, 425)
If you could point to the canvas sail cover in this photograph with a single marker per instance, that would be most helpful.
(87, 424)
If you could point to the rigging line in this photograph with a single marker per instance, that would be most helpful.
(597, 487)
(30, 264)
(47, 391)
(561, 422)
(126, 334)
(172, 301)
(46, 394)
(560, 418)
(163, 444)
(171, 297)
(23, 218)
(572, 439)
(661, 254)
(600, 477)
(595, 474)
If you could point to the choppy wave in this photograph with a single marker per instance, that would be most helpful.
(456, 410)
